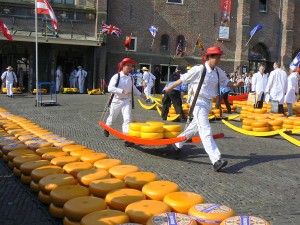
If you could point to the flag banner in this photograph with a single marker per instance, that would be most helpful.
(225, 19)
(255, 29)
(43, 7)
(110, 29)
(179, 50)
(296, 61)
(49, 27)
(199, 44)
(153, 30)
(5, 31)
(127, 42)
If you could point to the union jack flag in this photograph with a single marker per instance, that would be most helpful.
(110, 29)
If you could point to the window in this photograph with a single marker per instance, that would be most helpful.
(175, 1)
(166, 72)
(181, 46)
(57, 1)
(132, 44)
(263, 5)
(164, 43)
(70, 2)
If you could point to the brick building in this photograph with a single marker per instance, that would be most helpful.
(185, 19)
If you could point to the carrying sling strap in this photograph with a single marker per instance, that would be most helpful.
(219, 94)
(190, 115)
(113, 95)
(132, 97)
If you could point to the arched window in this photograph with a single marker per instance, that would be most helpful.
(181, 39)
(165, 40)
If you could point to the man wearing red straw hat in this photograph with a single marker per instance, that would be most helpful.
(214, 78)
(123, 88)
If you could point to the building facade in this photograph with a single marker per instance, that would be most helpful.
(79, 42)
(184, 20)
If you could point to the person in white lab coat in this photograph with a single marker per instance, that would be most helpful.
(59, 79)
(81, 75)
(148, 83)
(73, 78)
(9, 77)
(292, 90)
(123, 93)
(277, 86)
(259, 83)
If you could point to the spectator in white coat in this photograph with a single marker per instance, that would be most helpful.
(292, 90)
(81, 75)
(59, 79)
(147, 83)
(10, 77)
(277, 86)
(123, 88)
(73, 78)
(259, 83)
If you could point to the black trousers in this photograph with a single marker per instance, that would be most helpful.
(175, 98)
(223, 96)
(259, 104)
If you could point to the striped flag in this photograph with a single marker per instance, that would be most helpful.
(5, 31)
(127, 42)
(179, 50)
(43, 7)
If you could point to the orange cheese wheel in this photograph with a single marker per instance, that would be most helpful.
(100, 188)
(75, 167)
(63, 143)
(275, 122)
(171, 218)
(134, 133)
(157, 190)
(63, 160)
(17, 172)
(172, 128)
(121, 171)
(152, 136)
(259, 124)
(39, 144)
(67, 221)
(44, 171)
(246, 127)
(45, 198)
(296, 122)
(19, 160)
(85, 177)
(93, 157)
(27, 167)
(181, 202)
(70, 148)
(79, 207)
(287, 126)
(26, 137)
(12, 154)
(141, 211)
(152, 129)
(60, 195)
(241, 220)
(51, 155)
(261, 129)
(105, 217)
(137, 180)
(10, 147)
(136, 126)
(106, 164)
(247, 122)
(288, 121)
(119, 199)
(155, 123)
(34, 186)
(20, 133)
(3, 138)
(25, 179)
(171, 134)
(78, 153)
(50, 182)
(10, 165)
(56, 212)
(41, 151)
(260, 111)
(210, 214)
(275, 128)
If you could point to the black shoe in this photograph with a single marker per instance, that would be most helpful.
(106, 133)
(128, 144)
(175, 148)
(219, 165)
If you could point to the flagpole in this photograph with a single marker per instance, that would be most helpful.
(248, 41)
(36, 56)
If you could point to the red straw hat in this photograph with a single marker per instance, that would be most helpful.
(214, 50)
(127, 60)
(298, 70)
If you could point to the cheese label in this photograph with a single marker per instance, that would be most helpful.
(244, 220)
(212, 208)
(171, 218)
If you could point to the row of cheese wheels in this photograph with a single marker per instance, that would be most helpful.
(72, 210)
(185, 109)
(154, 130)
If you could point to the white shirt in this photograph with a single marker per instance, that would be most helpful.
(277, 85)
(81, 74)
(292, 88)
(209, 88)
(125, 84)
(147, 78)
(259, 82)
(139, 78)
(9, 76)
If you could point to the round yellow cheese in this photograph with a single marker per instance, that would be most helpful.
(25, 179)
(75, 167)
(85, 177)
(63, 160)
(121, 171)
(34, 186)
(172, 128)
(105, 217)
(93, 157)
(171, 218)
(70, 148)
(45, 198)
(137, 180)
(100, 188)
(157, 190)
(67, 221)
(50, 182)
(43, 150)
(44, 171)
(106, 164)
(136, 126)
(56, 212)
(244, 220)
(152, 129)
(152, 136)
(27, 167)
(51, 155)
(19, 160)
(12, 154)
(134, 133)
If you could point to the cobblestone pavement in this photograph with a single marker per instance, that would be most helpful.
(262, 177)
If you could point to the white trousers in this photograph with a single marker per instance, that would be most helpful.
(147, 90)
(117, 106)
(57, 85)
(81, 85)
(9, 88)
(201, 124)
